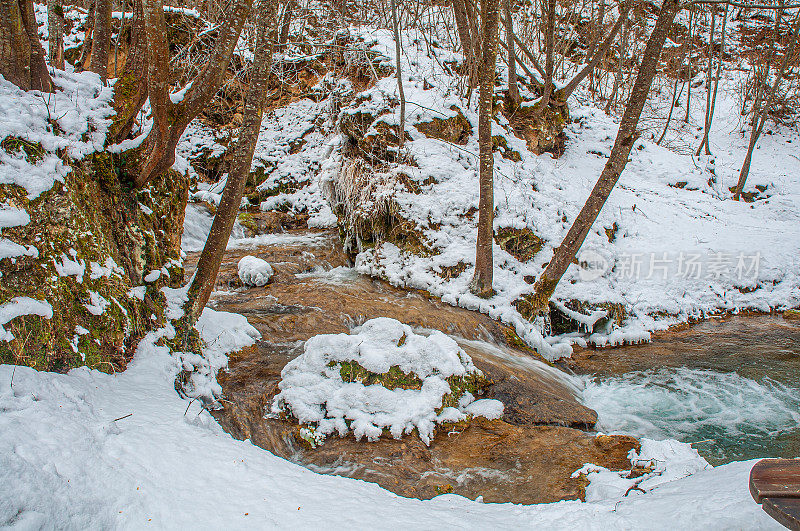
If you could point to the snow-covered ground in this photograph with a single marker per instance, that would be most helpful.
(667, 245)
(88, 450)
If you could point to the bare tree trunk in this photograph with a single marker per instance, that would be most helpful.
(464, 35)
(549, 45)
(481, 283)
(623, 58)
(573, 84)
(675, 92)
(55, 31)
(130, 90)
(21, 54)
(286, 25)
(689, 62)
(241, 157)
(102, 39)
(566, 252)
(513, 89)
(171, 119)
(760, 115)
(86, 46)
(401, 130)
(474, 31)
(709, 88)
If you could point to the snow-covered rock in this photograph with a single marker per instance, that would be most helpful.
(254, 271)
(383, 376)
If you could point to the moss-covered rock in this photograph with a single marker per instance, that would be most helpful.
(96, 238)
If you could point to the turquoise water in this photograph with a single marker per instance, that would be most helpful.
(732, 389)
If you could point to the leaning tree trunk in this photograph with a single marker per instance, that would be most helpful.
(55, 31)
(513, 90)
(481, 284)
(241, 157)
(88, 31)
(102, 39)
(760, 114)
(21, 54)
(401, 129)
(131, 88)
(564, 255)
(170, 119)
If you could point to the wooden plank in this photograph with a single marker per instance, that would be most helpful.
(775, 478)
(785, 510)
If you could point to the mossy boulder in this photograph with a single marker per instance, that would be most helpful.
(95, 240)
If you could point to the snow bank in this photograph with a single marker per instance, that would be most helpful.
(323, 387)
(254, 271)
(19, 306)
(130, 472)
(666, 250)
(79, 108)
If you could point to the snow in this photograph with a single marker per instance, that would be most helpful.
(12, 217)
(678, 253)
(254, 271)
(152, 276)
(314, 392)
(79, 107)
(19, 306)
(166, 466)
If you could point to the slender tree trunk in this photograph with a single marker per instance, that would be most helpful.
(564, 255)
(481, 283)
(241, 157)
(689, 62)
(675, 92)
(549, 45)
(761, 114)
(286, 25)
(130, 90)
(474, 31)
(401, 130)
(709, 87)
(86, 46)
(55, 31)
(21, 54)
(598, 56)
(623, 58)
(102, 39)
(171, 119)
(513, 90)
(464, 35)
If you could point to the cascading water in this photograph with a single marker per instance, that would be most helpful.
(726, 416)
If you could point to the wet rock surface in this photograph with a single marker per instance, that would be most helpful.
(527, 456)
(753, 346)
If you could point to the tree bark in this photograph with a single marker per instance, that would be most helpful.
(564, 255)
(760, 115)
(464, 35)
(55, 31)
(513, 89)
(21, 54)
(401, 130)
(102, 39)
(130, 90)
(481, 283)
(286, 24)
(171, 119)
(241, 157)
(549, 45)
(709, 79)
(565, 93)
(86, 46)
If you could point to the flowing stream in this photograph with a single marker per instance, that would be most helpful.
(729, 386)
